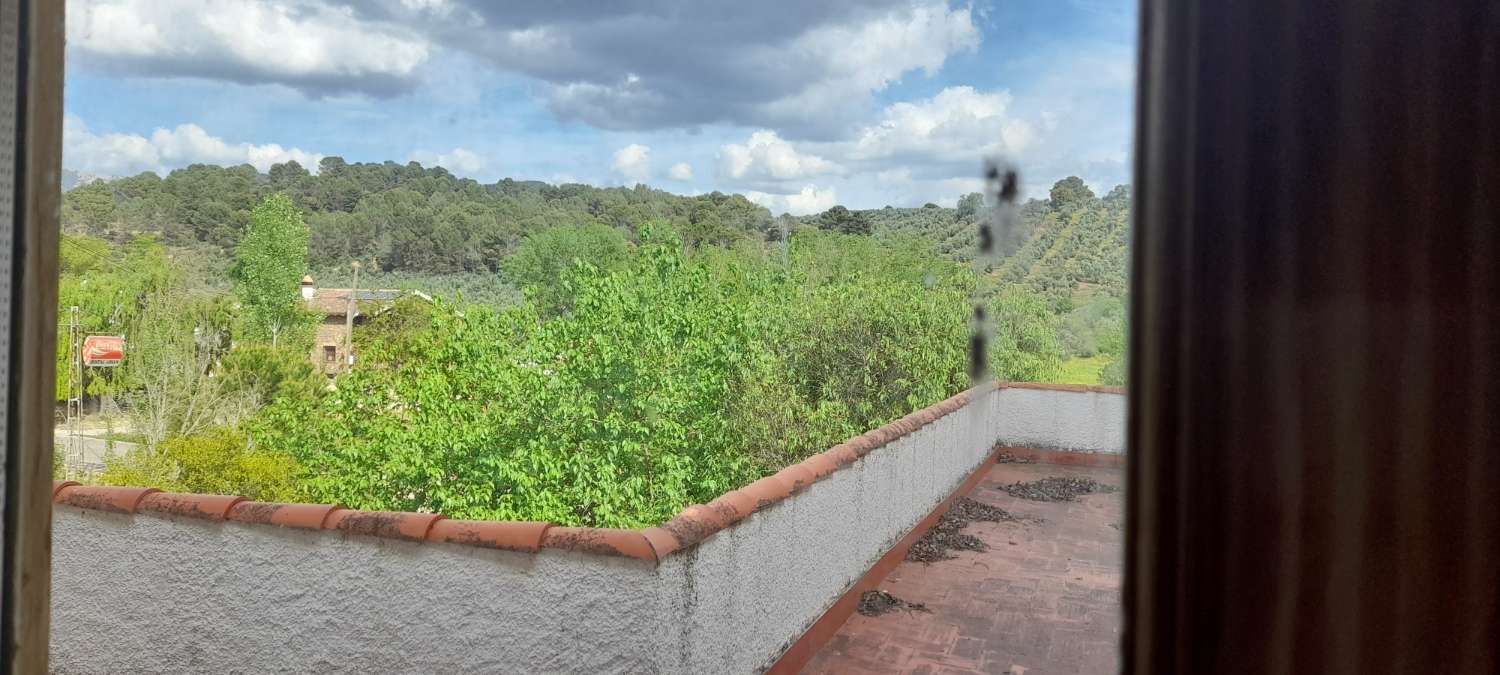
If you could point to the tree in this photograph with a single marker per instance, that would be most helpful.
(541, 264)
(171, 391)
(1025, 346)
(970, 205)
(270, 263)
(1069, 193)
(842, 220)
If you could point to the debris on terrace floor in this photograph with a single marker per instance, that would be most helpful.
(945, 536)
(875, 603)
(1007, 458)
(1057, 489)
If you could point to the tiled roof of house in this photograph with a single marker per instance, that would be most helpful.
(335, 301)
(652, 544)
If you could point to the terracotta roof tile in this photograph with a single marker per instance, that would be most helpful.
(623, 543)
(103, 498)
(509, 536)
(696, 523)
(796, 476)
(58, 485)
(209, 507)
(842, 455)
(865, 443)
(819, 466)
(302, 516)
(387, 524)
(734, 505)
(662, 542)
(767, 491)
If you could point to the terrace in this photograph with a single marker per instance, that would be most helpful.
(765, 578)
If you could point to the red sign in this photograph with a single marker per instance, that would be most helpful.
(103, 351)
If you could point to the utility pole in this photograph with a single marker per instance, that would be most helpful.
(73, 456)
(349, 320)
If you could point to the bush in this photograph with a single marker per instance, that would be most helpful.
(1114, 372)
(545, 258)
(215, 462)
(672, 380)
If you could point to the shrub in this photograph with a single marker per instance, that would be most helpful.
(218, 461)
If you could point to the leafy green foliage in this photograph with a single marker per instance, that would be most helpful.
(673, 379)
(1095, 327)
(542, 260)
(397, 218)
(260, 374)
(842, 220)
(666, 348)
(269, 268)
(1076, 247)
(1026, 347)
(215, 461)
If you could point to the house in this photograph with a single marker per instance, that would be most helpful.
(329, 344)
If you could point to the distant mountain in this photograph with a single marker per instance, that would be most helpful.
(72, 179)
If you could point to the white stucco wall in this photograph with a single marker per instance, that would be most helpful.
(1065, 420)
(745, 594)
(144, 593)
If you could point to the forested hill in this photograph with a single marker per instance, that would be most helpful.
(407, 219)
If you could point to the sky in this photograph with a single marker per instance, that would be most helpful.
(797, 104)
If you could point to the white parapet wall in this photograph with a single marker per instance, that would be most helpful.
(164, 593)
(146, 594)
(1079, 419)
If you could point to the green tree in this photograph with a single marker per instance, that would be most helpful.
(540, 264)
(842, 220)
(1025, 347)
(270, 263)
(1070, 192)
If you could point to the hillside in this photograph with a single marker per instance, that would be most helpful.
(397, 218)
(413, 225)
(1069, 247)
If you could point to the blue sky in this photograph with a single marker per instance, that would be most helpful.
(800, 105)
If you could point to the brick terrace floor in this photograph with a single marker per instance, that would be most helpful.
(1045, 597)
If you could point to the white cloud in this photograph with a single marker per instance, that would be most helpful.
(459, 160)
(119, 154)
(804, 68)
(810, 199)
(318, 47)
(766, 157)
(857, 60)
(633, 162)
(960, 122)
(681, 171)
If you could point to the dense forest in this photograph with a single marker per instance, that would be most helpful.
(594, 355)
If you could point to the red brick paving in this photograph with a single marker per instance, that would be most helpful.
(1044, 599)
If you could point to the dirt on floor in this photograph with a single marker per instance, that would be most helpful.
(1057, 489)
(875, 603)
(946, 535)
(1007, 458)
